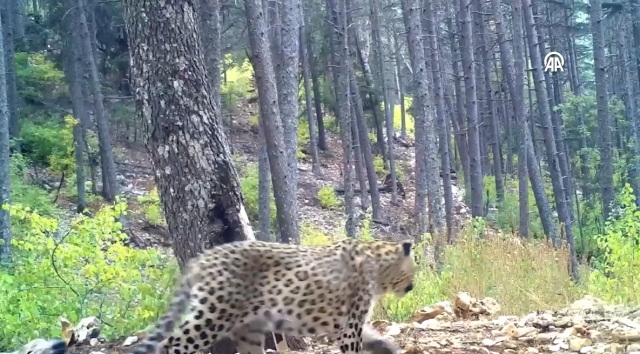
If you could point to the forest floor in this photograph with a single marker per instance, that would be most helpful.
(458, 326)
(463, 326)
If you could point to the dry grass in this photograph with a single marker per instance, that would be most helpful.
(522, 276)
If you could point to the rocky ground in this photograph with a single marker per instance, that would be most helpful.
(463, 325)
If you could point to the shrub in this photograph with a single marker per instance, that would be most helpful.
(616, 279)
(239, 80)
(38, 79)
(522, 276)
(327, 198)
(87, 271)
(27, 194)
(505, 215)
(152, 208)
(397, 116)
(381, 172)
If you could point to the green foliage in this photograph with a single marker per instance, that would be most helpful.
(151, 207)
(27, 194)
(38, 78)
(239, 80)
(85, 271)
(616, 279)
(381, 172)
(327, 198)
(397, 116)
(249, 182)
(47, 142)
(505, 215)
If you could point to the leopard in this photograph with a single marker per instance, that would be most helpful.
(245, 289)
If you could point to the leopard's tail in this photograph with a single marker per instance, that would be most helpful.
(167, 322)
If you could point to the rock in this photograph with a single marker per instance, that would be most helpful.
(94, 341)
(82, 333)
(576, 344)
(129, 341)
(393, 330)
(633, 347)
(431, 312)
(487, 342)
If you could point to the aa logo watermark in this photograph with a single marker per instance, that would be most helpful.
(553, 62)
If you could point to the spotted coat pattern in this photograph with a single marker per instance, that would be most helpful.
(245, 289)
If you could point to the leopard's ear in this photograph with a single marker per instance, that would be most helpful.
(406, 248)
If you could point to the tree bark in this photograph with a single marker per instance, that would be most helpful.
(5, 187)
(361, 124)
(110, 183)
(198, 183)
(284, 189)
(550, 146)
(288, 87)
(8, 32)
(210, 34)
(313, 141)
(473, 134)
(514, 77)
(604, 119)
(442, 126)
(338, 17)
(427, 166)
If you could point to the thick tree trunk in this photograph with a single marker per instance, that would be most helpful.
(197, 180)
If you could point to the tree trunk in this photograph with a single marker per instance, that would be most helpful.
(365, 143)
(458, 122)
(198, 183)
(8, 23)
(210, 34)
(514, 77)
(550, 146)
(288, 89)
(468, 65)
(388, 107)
(427, 166)
(630, 103)
(5, 187)
(315, 81)
(445, 166)
(403, 123)
(338, 17)
(313, 142)
(110, 188)
(284, 188)
(75, 83)
(604, 119)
